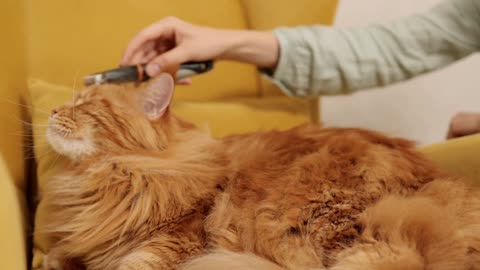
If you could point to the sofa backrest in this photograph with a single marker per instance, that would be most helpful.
(69, 39)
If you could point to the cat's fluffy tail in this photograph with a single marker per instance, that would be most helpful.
(223, 259)
(437, 229)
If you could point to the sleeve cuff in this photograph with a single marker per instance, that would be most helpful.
(291, 67)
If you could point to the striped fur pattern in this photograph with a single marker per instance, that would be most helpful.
(147, 190)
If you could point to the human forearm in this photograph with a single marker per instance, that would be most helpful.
(324, 60)
(259, 48)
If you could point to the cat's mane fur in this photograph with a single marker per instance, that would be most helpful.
(163, 194)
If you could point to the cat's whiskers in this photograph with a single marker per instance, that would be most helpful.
(27, 135)
(73, 95)
(26, 106)
(64, 131)
(47, 151)
(16, 119)
(36, 144)
(30, 142)
(54, 161)
(33, 125)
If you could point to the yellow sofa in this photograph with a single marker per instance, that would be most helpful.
(59, 41)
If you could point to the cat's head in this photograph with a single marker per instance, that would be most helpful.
(112, 119)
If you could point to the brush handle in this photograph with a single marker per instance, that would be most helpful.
(138, 73)
(190, 69)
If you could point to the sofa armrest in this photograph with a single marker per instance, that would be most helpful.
(13, 253)
(459, 156)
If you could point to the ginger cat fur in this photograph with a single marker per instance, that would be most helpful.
(147, 190)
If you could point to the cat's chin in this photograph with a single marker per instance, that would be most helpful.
(71, 148)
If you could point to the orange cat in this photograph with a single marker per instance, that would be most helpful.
(146, 190)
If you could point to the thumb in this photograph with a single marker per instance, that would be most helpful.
(166, 62)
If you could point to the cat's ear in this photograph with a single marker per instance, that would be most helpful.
(157, 96)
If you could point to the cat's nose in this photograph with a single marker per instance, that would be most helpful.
(54, 111)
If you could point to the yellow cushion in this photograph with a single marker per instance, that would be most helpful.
(13, 212)
(459, 156)
(242, 115)
(226, 117)
(67, 40)
(13, 226)
(267, 14)
(11, 89)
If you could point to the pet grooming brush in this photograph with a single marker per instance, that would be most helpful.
(138, 73)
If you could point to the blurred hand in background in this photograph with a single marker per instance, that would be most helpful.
(463, 124)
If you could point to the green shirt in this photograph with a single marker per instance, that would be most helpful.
(318, 60)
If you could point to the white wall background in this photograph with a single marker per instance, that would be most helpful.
(419, 109)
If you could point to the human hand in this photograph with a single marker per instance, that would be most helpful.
(169, 42)
(463, 124)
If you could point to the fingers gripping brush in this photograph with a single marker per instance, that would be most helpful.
(139, 74)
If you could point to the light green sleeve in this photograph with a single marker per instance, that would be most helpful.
(319, 60)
